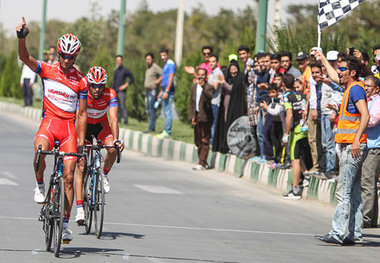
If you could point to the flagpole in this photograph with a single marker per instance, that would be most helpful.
(319, 37)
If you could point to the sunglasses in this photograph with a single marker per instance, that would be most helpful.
(97, 86)
(206, 53)
(343, 69)
(64, 56)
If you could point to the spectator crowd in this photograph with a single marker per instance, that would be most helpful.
(303, 110)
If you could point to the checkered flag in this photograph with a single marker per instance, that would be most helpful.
(331, 11)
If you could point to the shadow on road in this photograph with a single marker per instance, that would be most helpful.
(76, 252)
(115, 235)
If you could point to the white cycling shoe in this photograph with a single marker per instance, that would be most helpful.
(106, 184)
(67, 236)
(79, 218)
(39, 194)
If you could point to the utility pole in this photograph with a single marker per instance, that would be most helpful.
(121, 33)
(38, 95)
(43, 29)
(179, 34)
(261, 32)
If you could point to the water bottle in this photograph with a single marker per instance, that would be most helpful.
(304, 126)
(157, 103)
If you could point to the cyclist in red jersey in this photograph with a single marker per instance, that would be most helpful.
(64, 88)
(100, 99)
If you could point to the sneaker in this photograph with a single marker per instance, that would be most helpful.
(79, 218)
(163, 135)
(106, 184)
(67, 236)
(261, 161)
(255, 158)
(292, 196)
(199, 167)
(39, 193)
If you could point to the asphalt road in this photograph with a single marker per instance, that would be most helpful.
(162, 211)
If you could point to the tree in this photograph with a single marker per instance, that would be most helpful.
(10, 78)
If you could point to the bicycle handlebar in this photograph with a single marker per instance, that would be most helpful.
(101, 146)
(55, 152)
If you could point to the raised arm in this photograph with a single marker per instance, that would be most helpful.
(22, 31)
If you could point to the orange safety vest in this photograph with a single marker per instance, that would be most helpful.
(348, 123)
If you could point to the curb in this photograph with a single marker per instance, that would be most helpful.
(320, 190)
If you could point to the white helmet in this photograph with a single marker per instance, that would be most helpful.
(97, 75)
(68, 44)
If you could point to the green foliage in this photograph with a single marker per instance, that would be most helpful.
(136, 92)
(10, 77)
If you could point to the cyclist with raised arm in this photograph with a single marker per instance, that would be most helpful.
(63, 88)
(100, 100)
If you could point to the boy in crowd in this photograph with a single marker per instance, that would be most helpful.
(295, 135)
(273, 127)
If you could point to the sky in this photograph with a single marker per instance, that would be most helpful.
(11, 11)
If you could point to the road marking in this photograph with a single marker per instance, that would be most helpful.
(157, 189)
(156, 260)
(6, 181)
(9, 175)
(185, 227)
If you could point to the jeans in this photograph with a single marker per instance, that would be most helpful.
(267, 138)
(328, 143)
(215, 111)
(150, 99)
(167, 108)
(349, 210)
(260, 125)
(27, 92)
(370, 173)
(123, 112)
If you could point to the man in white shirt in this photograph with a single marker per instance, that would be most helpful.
(26, 81)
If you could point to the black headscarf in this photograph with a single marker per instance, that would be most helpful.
(237, 107)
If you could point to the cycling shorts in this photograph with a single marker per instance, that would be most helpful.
(59, 130)
(101, 131)
(298, 145)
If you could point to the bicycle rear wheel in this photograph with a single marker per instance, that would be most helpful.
(48, 221)
(99, 204)
(59, 210)
(87, 204)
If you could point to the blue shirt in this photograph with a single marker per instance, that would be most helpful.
(356, 93)
(169, 68)
(262, 95)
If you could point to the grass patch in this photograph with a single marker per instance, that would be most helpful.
(180, 131)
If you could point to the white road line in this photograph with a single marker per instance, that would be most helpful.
(185, 228)
(5, 181)
(9, 175)
(157, 189)
(156, 260)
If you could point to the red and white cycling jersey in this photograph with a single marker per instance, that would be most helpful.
(97, 109)
(61, 92)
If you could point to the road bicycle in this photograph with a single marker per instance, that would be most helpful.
(94, 195)
(53, 209)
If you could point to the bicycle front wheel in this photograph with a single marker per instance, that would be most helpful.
(87, 202)
(48, 221)
(99, 204)
(59, 210)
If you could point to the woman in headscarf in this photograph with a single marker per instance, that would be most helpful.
(233, 105)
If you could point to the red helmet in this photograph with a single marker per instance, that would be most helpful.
(97, 75)
(68, 44)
